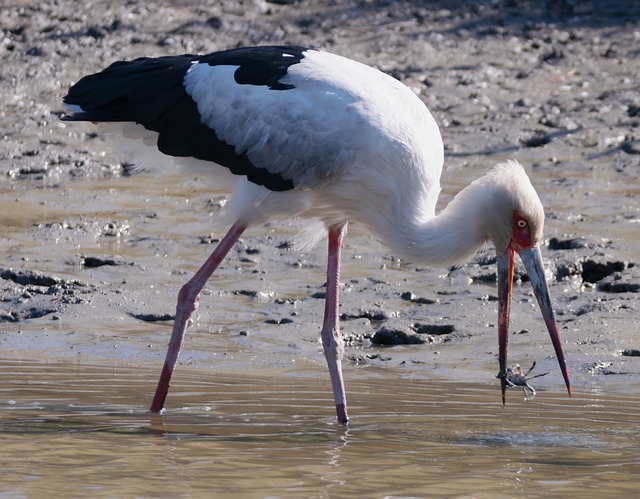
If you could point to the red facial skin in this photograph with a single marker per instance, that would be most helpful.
(521, 233)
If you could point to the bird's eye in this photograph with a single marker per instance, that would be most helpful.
(522, 224)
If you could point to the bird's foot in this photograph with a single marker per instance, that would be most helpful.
(341, 412)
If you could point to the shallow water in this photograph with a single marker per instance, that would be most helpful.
(251, 415)
(83, 429)
(75, 390)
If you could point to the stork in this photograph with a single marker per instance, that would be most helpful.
(312, 134)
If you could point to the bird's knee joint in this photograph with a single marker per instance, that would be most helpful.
(186, 295)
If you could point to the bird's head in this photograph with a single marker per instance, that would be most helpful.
(516, 218)
(515, 225)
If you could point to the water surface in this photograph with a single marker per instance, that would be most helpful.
(82, 429)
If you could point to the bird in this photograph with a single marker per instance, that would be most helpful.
(307, 133)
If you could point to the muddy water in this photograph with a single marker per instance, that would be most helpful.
(252, 414)
(82, 429)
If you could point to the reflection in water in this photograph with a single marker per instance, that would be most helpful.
(77, 428)
(335, 471)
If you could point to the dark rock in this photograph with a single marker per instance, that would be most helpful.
(93, 262)
(29, 278)
(407, 296)
(396, 334)
(568, 244)
(434, 329)
(153, 317)
(489, 277)
(594, 270)
(214, 22)
(373, 315)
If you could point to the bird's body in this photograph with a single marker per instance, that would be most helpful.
(324, 143)
(314, 134)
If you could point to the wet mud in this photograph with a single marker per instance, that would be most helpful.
(93, 255)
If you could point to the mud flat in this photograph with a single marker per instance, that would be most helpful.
(92, 258)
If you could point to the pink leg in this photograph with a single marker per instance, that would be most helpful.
(188, 301)
(331, 338)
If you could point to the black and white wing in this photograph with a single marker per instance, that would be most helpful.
(262, 112)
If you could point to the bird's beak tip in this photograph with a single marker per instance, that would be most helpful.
(533, 262)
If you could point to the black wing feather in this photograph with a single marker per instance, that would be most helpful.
(151, 92)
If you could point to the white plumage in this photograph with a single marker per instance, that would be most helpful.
(314, 134)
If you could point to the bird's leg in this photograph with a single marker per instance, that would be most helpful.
(331, 338)
(188, 301)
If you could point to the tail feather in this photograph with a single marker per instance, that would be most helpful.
(144, 91)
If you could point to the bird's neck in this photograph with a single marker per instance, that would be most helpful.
(450, 237)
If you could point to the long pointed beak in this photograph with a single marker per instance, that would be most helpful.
(532, 260)
(505, 280)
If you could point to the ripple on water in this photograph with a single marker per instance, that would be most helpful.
(84, 428)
